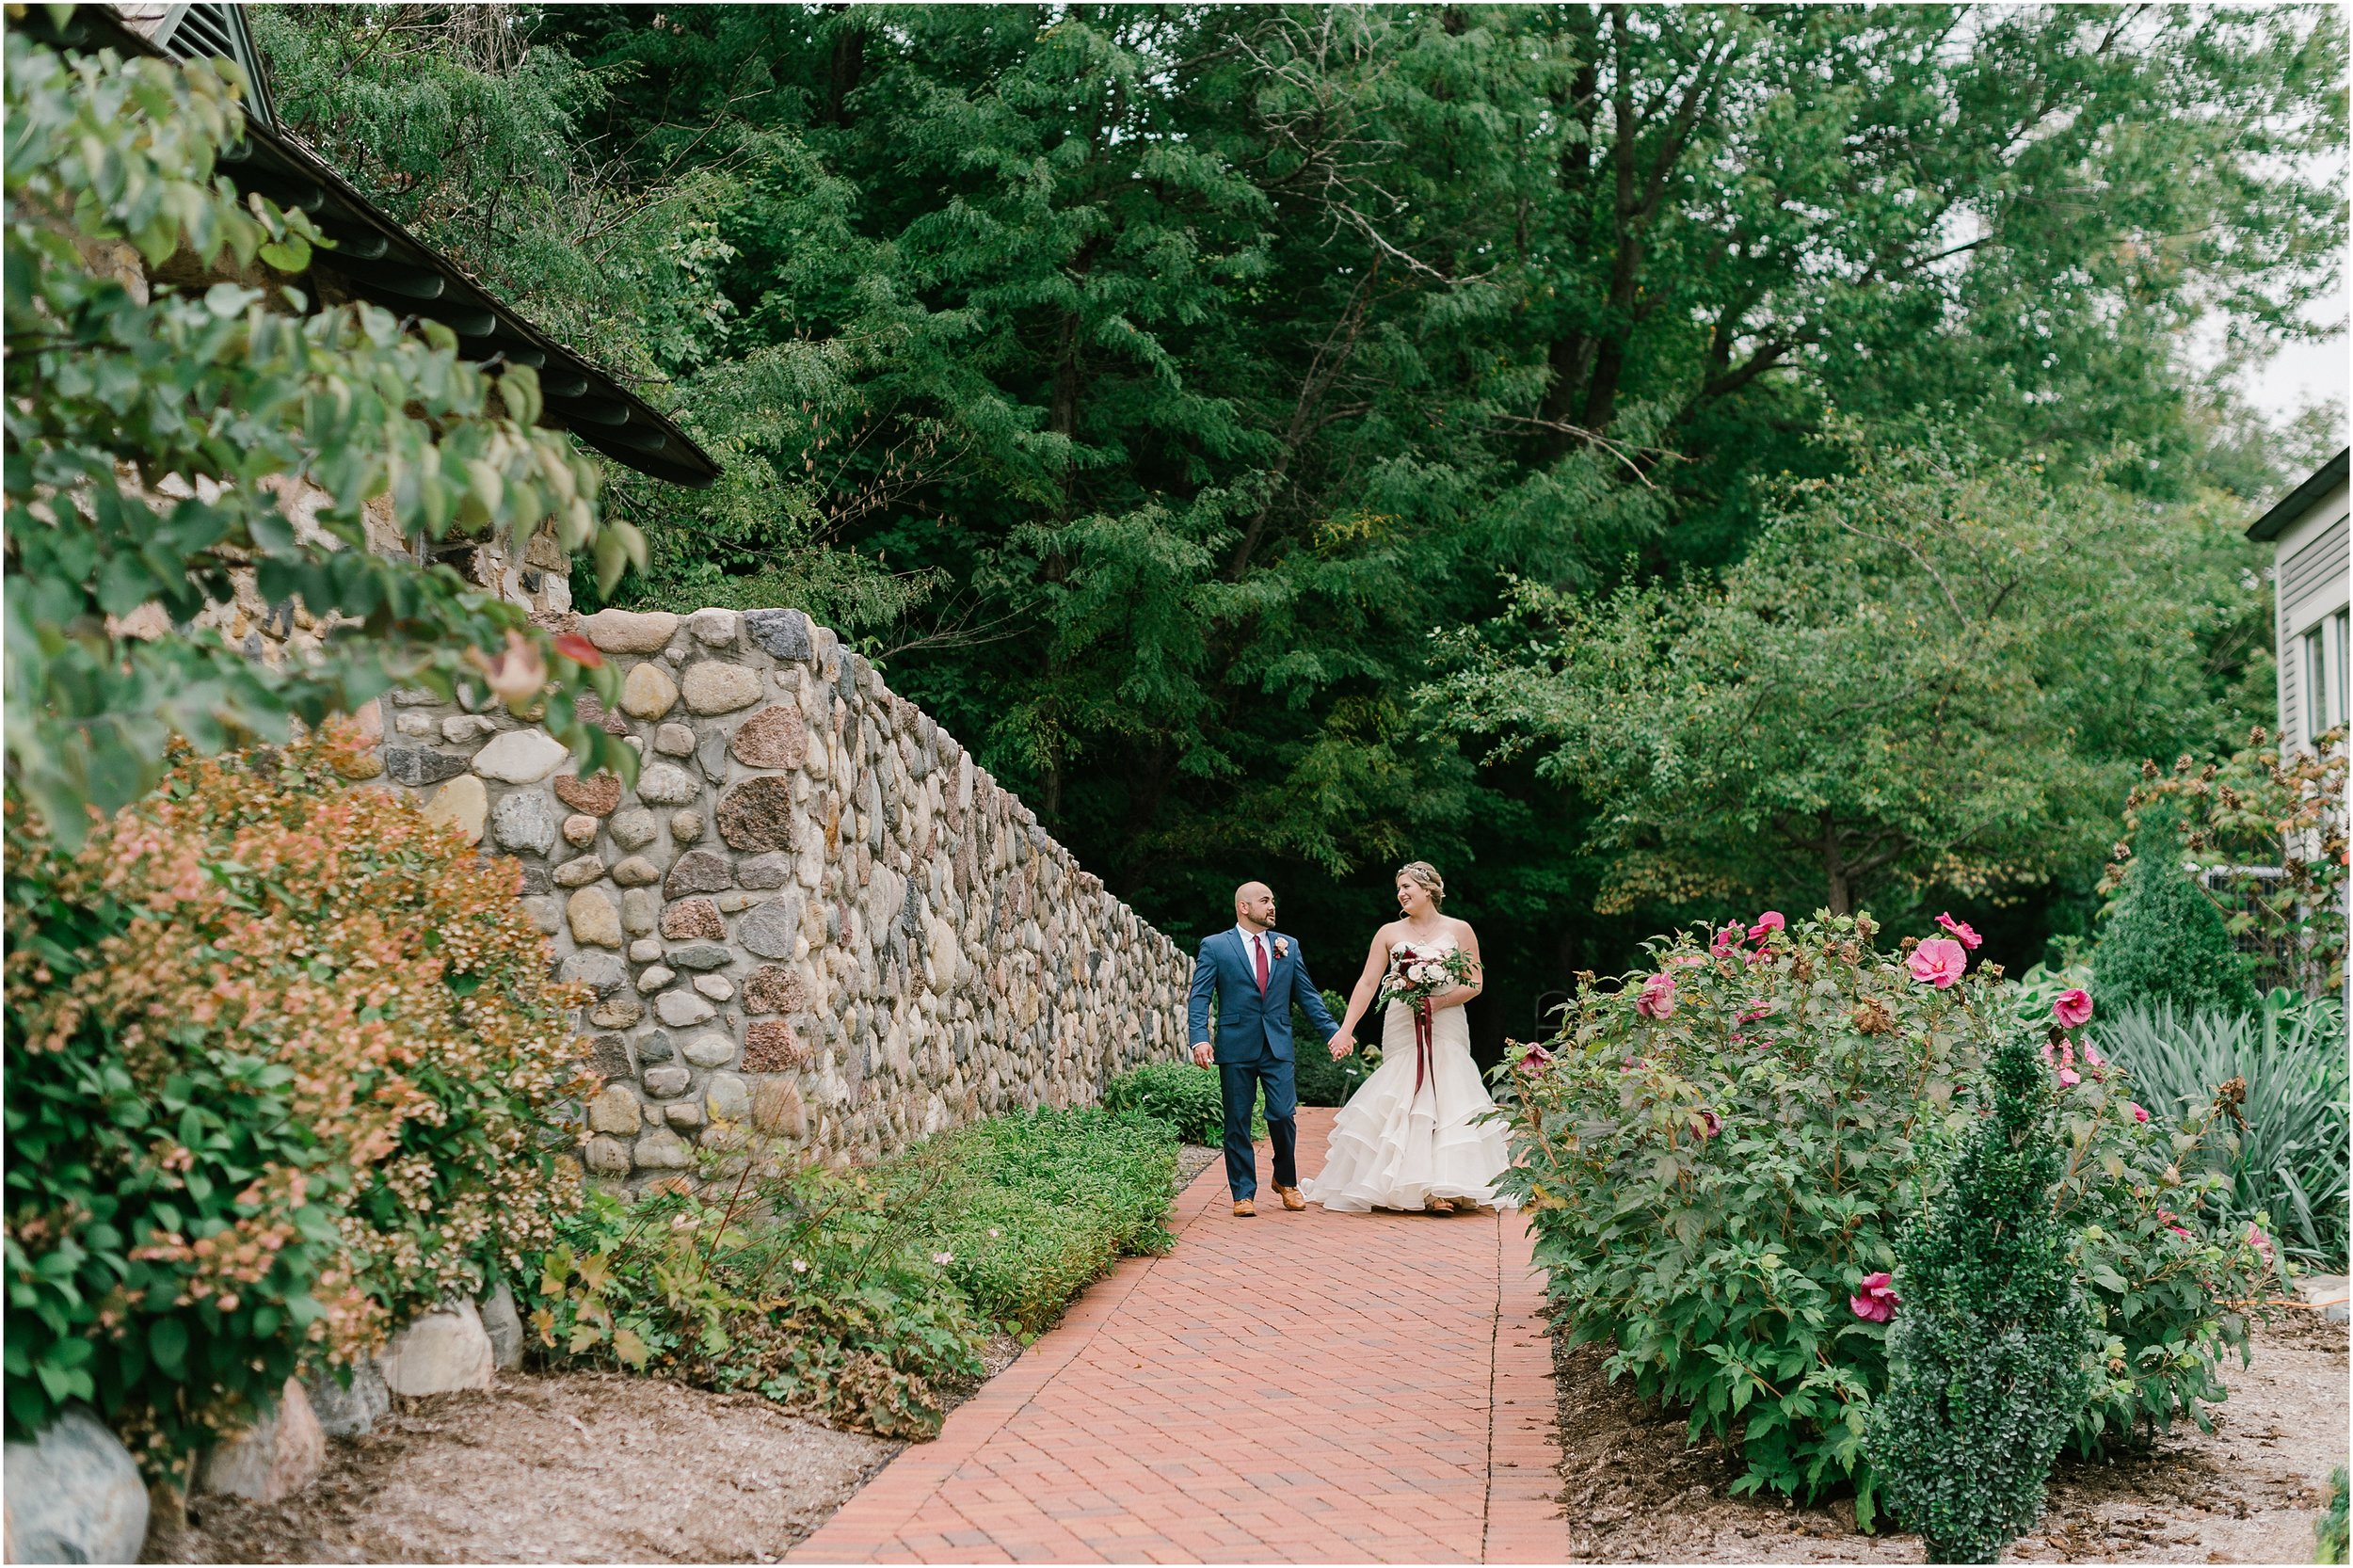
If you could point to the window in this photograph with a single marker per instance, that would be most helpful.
(2315, 685)
(2322, 671)
(2338, 626)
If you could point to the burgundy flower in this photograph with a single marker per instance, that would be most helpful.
(1875, 1300)
(1657, 1000)
(1710, 1123)
(2140, 1115)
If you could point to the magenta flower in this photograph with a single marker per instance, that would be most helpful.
(2139, 1113)
(2261, 1243)
(1726, 941)
(1960, 929)
(2073, 1009)
(1875, 1300)
(1657, 1000)
(1535, 1060)
(1685, 961)
(1710, 1123)
(1753, 1014)
(1938, 962)
(2092, 1057)
(2068, 1077)
(1767, 924)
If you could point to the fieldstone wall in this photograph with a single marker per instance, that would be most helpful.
(813, 913)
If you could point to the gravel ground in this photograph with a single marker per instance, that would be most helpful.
(566, 1467)
(2247, 1491)
(573, 1467)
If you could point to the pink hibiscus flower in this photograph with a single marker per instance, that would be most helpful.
(2140, 1112)
(1959, 930)
(1657, 1000)
(1767, 924)
(1937, 962)
(2073, 1009)
(1875, 1300)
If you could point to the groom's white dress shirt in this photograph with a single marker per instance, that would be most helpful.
(1248, 937)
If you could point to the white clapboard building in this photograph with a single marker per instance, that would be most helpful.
(2307, 529)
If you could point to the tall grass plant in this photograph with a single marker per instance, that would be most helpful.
(2283, 1071)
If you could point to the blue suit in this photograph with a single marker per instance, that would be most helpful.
(1253, 1046)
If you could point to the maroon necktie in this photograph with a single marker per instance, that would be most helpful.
(1258, 946)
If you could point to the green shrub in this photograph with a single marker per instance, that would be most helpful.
(2282, 812)
(108, 393)
(284, 1065)
(1715, 1155)
(2328, 1530)
(1988, 1354)
(2167, 943)
(2283, 1148)
(1322, 1079)
(1181, 1095)
(855, 1296)
(1029, 1209)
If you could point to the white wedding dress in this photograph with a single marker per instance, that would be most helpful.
(1396, 1146)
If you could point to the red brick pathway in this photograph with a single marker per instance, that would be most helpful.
(1291, 1388)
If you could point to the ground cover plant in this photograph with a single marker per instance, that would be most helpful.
(1990, 1357)
(1031, 1209)
(856, 1296)
(1185, 1097)
(2282, 1145)
(1718, 1152)
(285, 1068)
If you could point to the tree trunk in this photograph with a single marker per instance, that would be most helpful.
(1841, 898)
(844, 71)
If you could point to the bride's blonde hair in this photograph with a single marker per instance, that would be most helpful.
(1427, 874)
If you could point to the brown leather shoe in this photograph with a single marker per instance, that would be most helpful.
(1244, 1209)
(1292, 1200)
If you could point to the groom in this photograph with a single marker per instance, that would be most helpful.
(1256, 974)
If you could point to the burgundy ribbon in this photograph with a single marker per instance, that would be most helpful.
(1422, 1064)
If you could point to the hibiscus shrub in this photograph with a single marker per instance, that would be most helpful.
(284, 1065)
(1718, 1154)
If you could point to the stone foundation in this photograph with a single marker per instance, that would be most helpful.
(814, 914)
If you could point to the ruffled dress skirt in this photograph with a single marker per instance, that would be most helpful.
(1393, 1146)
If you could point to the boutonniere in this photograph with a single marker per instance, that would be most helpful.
(1282, 947)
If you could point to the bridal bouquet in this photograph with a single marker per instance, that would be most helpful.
(1417, 974)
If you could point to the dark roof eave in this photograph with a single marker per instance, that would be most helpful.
(2293, 505)
(378, 260)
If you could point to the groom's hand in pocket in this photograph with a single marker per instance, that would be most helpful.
(1201, 1054)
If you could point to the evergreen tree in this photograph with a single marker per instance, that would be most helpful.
(1989, 1352)
(2167, 942)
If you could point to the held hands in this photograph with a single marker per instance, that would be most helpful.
(1343, 1044)
(1201, 1054)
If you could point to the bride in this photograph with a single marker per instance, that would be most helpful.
(1415, 1136)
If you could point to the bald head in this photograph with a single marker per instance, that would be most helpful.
(1253, 906)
